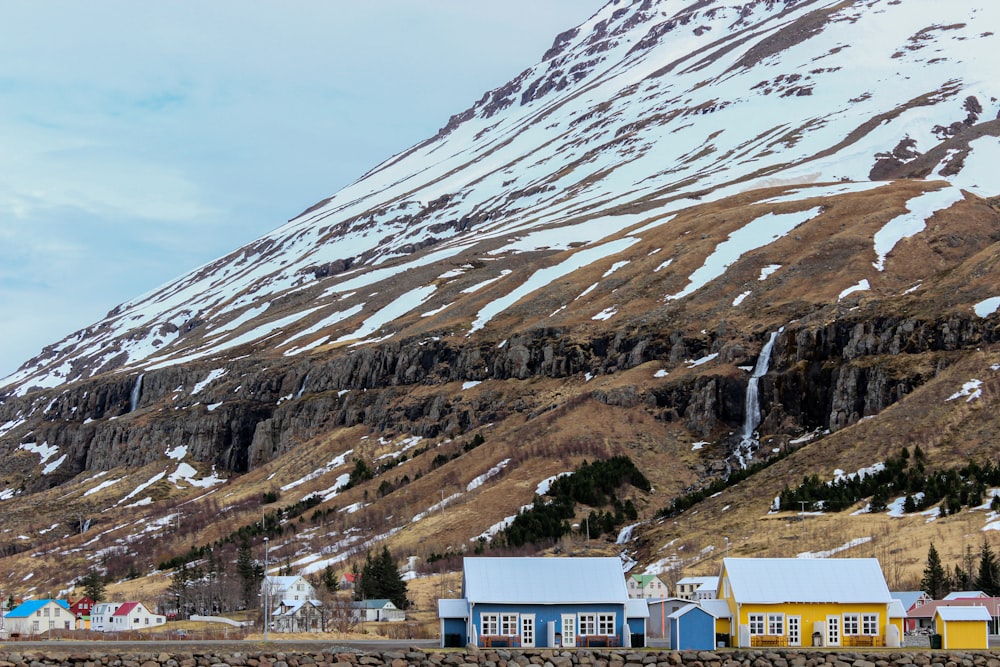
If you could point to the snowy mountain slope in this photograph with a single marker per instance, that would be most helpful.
(646, 107)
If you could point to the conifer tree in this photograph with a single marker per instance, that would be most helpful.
(988, 577)
(935, 579)
(93, 585)
(250, 572)
(380, 579)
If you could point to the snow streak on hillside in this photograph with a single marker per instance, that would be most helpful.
(657, 108)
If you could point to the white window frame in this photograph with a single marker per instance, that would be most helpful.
(606, 624)
(870, 624)
(776, 624)
(509, 625)
(489, 624)
(757, 623)
(586, 625)
(851, 626)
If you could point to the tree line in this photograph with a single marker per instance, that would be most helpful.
(968, 575)
(596, 485)
(903, 475)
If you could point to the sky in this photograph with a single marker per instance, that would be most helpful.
(140, 140)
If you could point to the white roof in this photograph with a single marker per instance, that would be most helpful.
(717, 608)
(636, 608)
(778, 580)
(963, 613)
(701, 581)
(686, 609)
(896, 609)
(544, 580)
(964, 595)
(451, 608)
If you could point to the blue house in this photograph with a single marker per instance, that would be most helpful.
(692, 628)
(543, 602)
(37, 616)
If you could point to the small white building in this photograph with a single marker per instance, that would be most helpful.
(688, 587)
(134, 616)
(100, 616)
(377, 610)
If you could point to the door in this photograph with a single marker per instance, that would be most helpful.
(795, 631)
(833, 630)
(569, 630)
(527, 630)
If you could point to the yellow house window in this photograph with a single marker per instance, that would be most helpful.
(851, 624)
(776, 624)
(756, 624)
(869, 624)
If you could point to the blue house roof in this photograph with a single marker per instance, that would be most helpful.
(544, 580)
(28, 608)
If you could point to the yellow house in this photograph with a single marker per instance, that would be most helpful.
(962, 627)
(808, 602)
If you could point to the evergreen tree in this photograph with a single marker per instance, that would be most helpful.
(250, 572)
(988, 578)
(380, 580)
(93, 585)
(329, 578)
(960, 581)
(935, 579)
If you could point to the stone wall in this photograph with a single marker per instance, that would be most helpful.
(415, 657)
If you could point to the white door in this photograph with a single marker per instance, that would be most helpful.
(795, 631)
(527, 630)
(833, 630)
(569, 630)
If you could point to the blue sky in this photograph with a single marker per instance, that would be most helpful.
(139, 140)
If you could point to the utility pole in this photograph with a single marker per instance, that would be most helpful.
(267, 587)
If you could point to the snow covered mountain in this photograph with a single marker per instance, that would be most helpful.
(641, 112)
(695, 228)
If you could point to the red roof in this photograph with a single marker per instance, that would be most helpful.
(126, 608)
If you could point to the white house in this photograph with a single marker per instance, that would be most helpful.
(689, 586)
(100, 616)
(302, 616)
(377, 610)
(37, 616)
(134, 616)
(288, 590)
(648, 586)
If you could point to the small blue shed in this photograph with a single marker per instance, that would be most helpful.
(692, 629)
(543, 602)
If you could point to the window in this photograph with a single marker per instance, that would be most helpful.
(851, 624)
(57, 611)
(499, 624)
(776, 624)
(869, 624)
(605, 624)
(508, 624)
(596, 624)
(756, 623)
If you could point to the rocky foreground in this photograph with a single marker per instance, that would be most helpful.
(505, 658)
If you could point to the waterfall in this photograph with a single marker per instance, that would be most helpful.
(751, 419)
(136, 393)
(302, 387)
